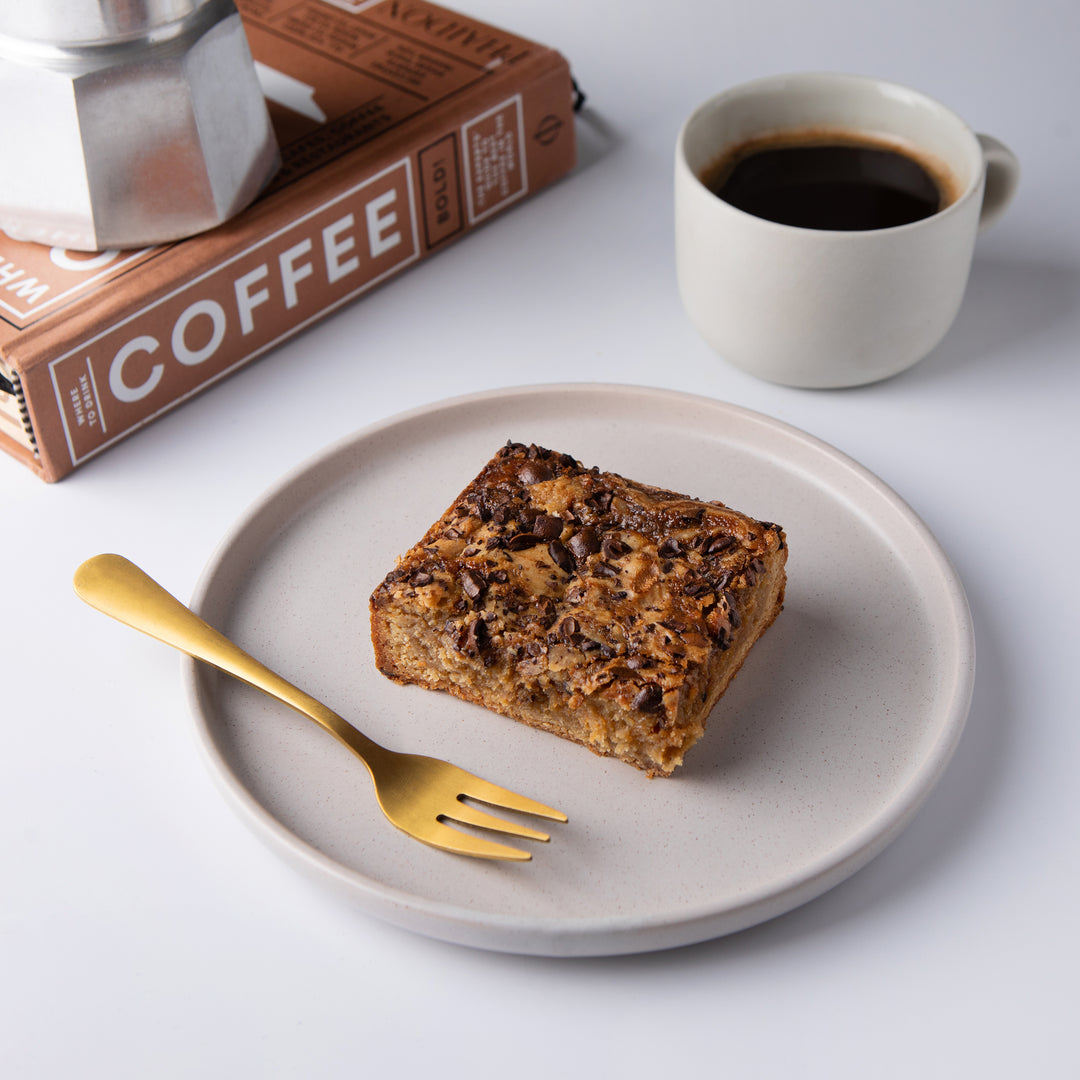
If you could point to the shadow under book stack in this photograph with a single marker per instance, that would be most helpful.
(402, 126)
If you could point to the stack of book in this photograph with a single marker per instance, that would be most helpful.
(402, 126)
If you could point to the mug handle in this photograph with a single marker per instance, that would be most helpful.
(1002, 179)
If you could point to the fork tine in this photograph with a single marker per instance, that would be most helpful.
(493, 795)
(464, 814)
(443, 836)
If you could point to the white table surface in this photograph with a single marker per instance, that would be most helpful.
(144, 931)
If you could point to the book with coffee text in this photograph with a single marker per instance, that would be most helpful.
(402, 126)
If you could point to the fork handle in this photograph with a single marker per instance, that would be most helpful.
(118, 588)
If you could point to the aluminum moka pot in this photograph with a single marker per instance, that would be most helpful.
(127, 122)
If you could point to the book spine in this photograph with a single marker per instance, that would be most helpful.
(362, 223)
(16, 431)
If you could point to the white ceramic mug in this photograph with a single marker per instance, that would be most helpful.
(820, 308)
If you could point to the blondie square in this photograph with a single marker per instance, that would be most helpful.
(605, 611)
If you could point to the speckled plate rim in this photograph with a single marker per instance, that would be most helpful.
(609, 935)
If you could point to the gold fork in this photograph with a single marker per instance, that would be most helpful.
(418, 794)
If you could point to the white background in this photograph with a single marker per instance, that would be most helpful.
(144, 932)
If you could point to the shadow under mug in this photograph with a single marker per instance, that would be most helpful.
(816, 307)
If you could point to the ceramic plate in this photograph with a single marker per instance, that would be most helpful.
(836, 729)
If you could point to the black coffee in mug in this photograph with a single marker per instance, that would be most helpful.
(818, 181)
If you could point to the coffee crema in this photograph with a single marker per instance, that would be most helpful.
(828, 180)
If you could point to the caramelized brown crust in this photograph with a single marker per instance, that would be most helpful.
(606, 611)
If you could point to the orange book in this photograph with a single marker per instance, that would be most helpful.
(402, 126)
